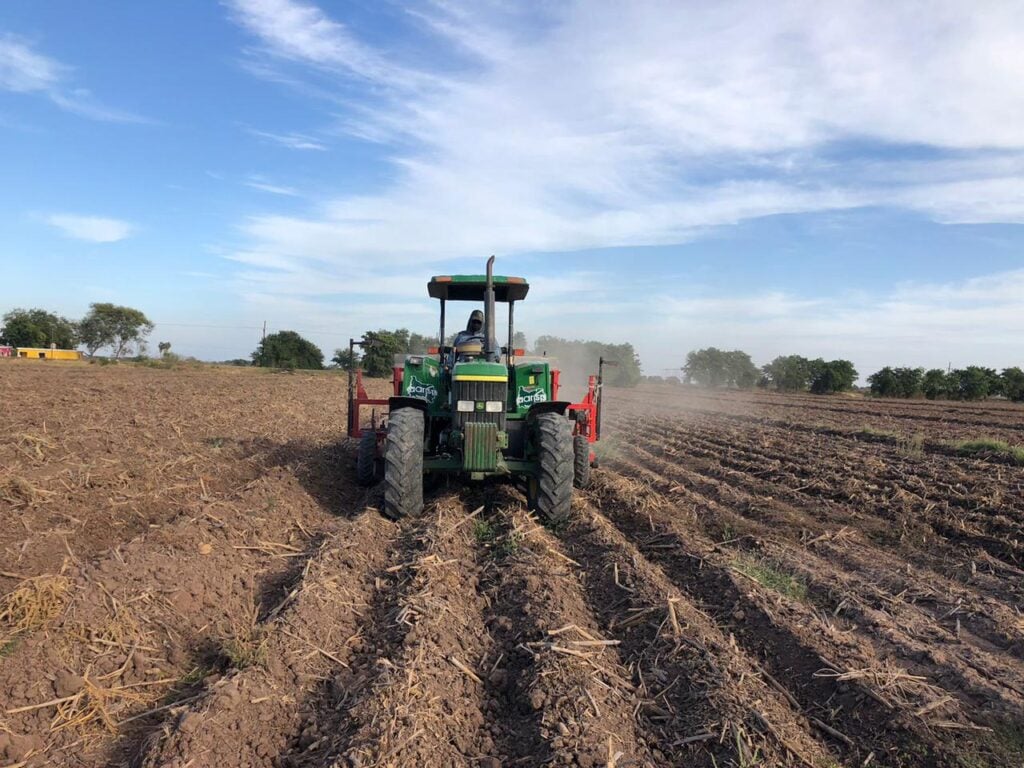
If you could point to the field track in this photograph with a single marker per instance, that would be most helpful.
(191, 578)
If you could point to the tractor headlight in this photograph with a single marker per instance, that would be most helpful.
(494, 406)
(465, 406)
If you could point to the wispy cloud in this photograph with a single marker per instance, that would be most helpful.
(25, 70)
(95, 229)
(291, 140)
(601, 124)
(302, 32)
(262, 184)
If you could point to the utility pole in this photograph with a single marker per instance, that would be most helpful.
(263, 346)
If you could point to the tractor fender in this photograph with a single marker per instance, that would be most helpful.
(551, 406)
(397, 403)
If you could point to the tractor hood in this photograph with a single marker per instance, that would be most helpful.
(480, 371)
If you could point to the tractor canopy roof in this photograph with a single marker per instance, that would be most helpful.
(472, 287)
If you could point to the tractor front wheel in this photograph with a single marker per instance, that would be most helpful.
(403, 464)
(550, 490)
(366, 459)
(581, 461)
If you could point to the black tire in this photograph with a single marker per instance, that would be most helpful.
(366, 459)
(550, 492)
(581, 461)
(403, 464)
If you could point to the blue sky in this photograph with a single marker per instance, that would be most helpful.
(844, 181)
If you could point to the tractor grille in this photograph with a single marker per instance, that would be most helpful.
(480, 392)
(480, 453)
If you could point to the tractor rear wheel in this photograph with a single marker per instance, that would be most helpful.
(550, 490)
(403, 464)
(581, 461)
(366, 459)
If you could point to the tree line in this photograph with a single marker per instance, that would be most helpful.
(974, 382)
(712, 367)
(105, 325)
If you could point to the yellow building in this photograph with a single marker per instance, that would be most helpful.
(36, 353)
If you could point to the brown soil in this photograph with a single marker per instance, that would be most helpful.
(191, 577)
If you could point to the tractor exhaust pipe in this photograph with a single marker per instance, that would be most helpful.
(491, 345)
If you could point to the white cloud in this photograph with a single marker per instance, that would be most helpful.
(24, 70)
(647, 123)
(95, 229)
(291, 140)
(301, 32)
(627, 124)
(262, 184)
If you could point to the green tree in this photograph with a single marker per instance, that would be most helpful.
(345, 359)
(971, 383)
(164, 347)
(519, 341)
(38, 328)
(995, 382)
(577, 359)
(418, 344)
(379, 354)
(287, 349)
(1013, 383)
(789, 373)
(706, 367)
(884, 383)
(896, 382)
(109, 325)
(711, 367)
(833, 376)
(935, 384)
(909, 381)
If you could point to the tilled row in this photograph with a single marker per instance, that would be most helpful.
(941, 420)
(894, 516)
(254, 715)
(976, 586)
(831, 676)
(109, 648)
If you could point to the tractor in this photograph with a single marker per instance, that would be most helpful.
(476, 410)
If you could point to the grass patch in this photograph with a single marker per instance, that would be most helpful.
(7, 648)
(768, 574)
(491, 536)
(987, 445)
(911, 445)
(196, 675)
(484, 531)
(872, 432)
(245, 649)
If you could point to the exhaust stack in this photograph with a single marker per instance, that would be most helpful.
(491, 344)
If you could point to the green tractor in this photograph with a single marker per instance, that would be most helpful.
(477, 410)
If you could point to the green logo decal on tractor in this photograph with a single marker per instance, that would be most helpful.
(531, 395)
(421, 390)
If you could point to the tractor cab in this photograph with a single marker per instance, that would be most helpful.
(478, 409)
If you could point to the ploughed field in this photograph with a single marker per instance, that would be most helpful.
(191, 577)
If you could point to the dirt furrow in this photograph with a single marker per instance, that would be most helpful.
(247, 718)
(709, 703)
(426, 705)
(743, 495)
(996, 626)
(796, 646)
(582, 703)
(986, 501)
(124, 637)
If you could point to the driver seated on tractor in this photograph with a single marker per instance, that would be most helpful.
(469, 344)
